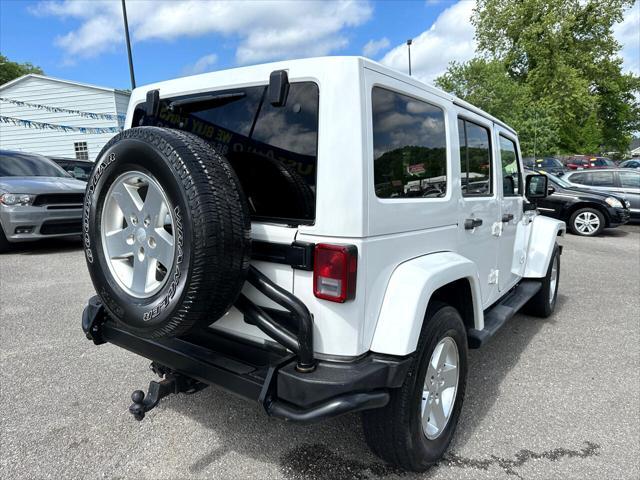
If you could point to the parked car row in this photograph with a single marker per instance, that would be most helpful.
(577, 162)
(592, 201)
(38, 199)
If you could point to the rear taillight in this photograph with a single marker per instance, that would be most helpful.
(334, 272)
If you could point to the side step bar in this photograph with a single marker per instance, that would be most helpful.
(497, 315)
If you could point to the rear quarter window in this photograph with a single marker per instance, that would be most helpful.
(409, 146)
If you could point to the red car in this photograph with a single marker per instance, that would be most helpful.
(580, 163)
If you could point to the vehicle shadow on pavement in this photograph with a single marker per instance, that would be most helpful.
(45, 247)
(614, 233)
(336, 448)
(491, 364)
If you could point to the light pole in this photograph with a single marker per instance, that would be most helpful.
(126, 34)
(409, 42)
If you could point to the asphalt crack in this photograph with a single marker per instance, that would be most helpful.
(317, 462)
(523, 456)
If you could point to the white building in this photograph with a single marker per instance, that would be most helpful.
(60, 94)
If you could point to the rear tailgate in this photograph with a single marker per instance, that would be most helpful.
(282, 274)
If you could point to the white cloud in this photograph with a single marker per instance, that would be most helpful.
(628, 35)
(203, 64)
(266, 30)
(374, 46)
(449, 38)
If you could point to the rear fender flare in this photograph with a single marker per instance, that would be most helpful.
(408, 294)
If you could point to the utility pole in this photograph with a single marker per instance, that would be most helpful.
(409, 42)
(126, 34)
(535, 134)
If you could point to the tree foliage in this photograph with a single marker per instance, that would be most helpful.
(551, 69)
(10, 70)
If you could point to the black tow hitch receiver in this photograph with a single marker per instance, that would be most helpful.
(172, 383)
(93, 317)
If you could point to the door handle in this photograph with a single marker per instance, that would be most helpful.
(471, 223)
(507, 217)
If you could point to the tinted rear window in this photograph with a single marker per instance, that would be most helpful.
(272, 149)
(17, 164)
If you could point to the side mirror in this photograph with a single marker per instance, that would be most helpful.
(278, 88)
(536, 187)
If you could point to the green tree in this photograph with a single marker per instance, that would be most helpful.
(10, 70)
(557, 61)
(487, 85)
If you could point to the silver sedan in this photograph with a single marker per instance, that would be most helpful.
(38, 199)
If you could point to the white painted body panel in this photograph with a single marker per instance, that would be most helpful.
(408, 294)
(544, 233)
(407, 247)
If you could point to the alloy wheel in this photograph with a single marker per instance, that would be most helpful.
(440, 388)
(138, 234)
(553, 280)
(587, 223)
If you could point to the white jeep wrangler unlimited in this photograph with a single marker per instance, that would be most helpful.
(322, 236)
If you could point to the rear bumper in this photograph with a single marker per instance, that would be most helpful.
(25, 223)
(268, 376)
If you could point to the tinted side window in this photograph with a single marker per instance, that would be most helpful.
(475, 159)
(510, 167)
(629, 180)
(409, 146)
(602, 179)
(581, 178)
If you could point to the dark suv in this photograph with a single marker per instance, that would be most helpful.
(586, 212)
(548, 164)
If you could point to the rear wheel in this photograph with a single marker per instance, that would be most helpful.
(166, 232)
(415, 428)
(587, 222)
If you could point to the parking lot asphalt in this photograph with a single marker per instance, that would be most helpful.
(552, 398)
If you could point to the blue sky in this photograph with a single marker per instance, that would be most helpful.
(83, 40)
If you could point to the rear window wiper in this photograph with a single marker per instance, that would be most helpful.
(203, 102)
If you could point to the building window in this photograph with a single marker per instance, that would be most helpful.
(82, 151)
(409, 146)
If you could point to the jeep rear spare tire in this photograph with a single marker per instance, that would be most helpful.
(166, 231)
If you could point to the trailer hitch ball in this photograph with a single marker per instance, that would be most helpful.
(138, 407)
